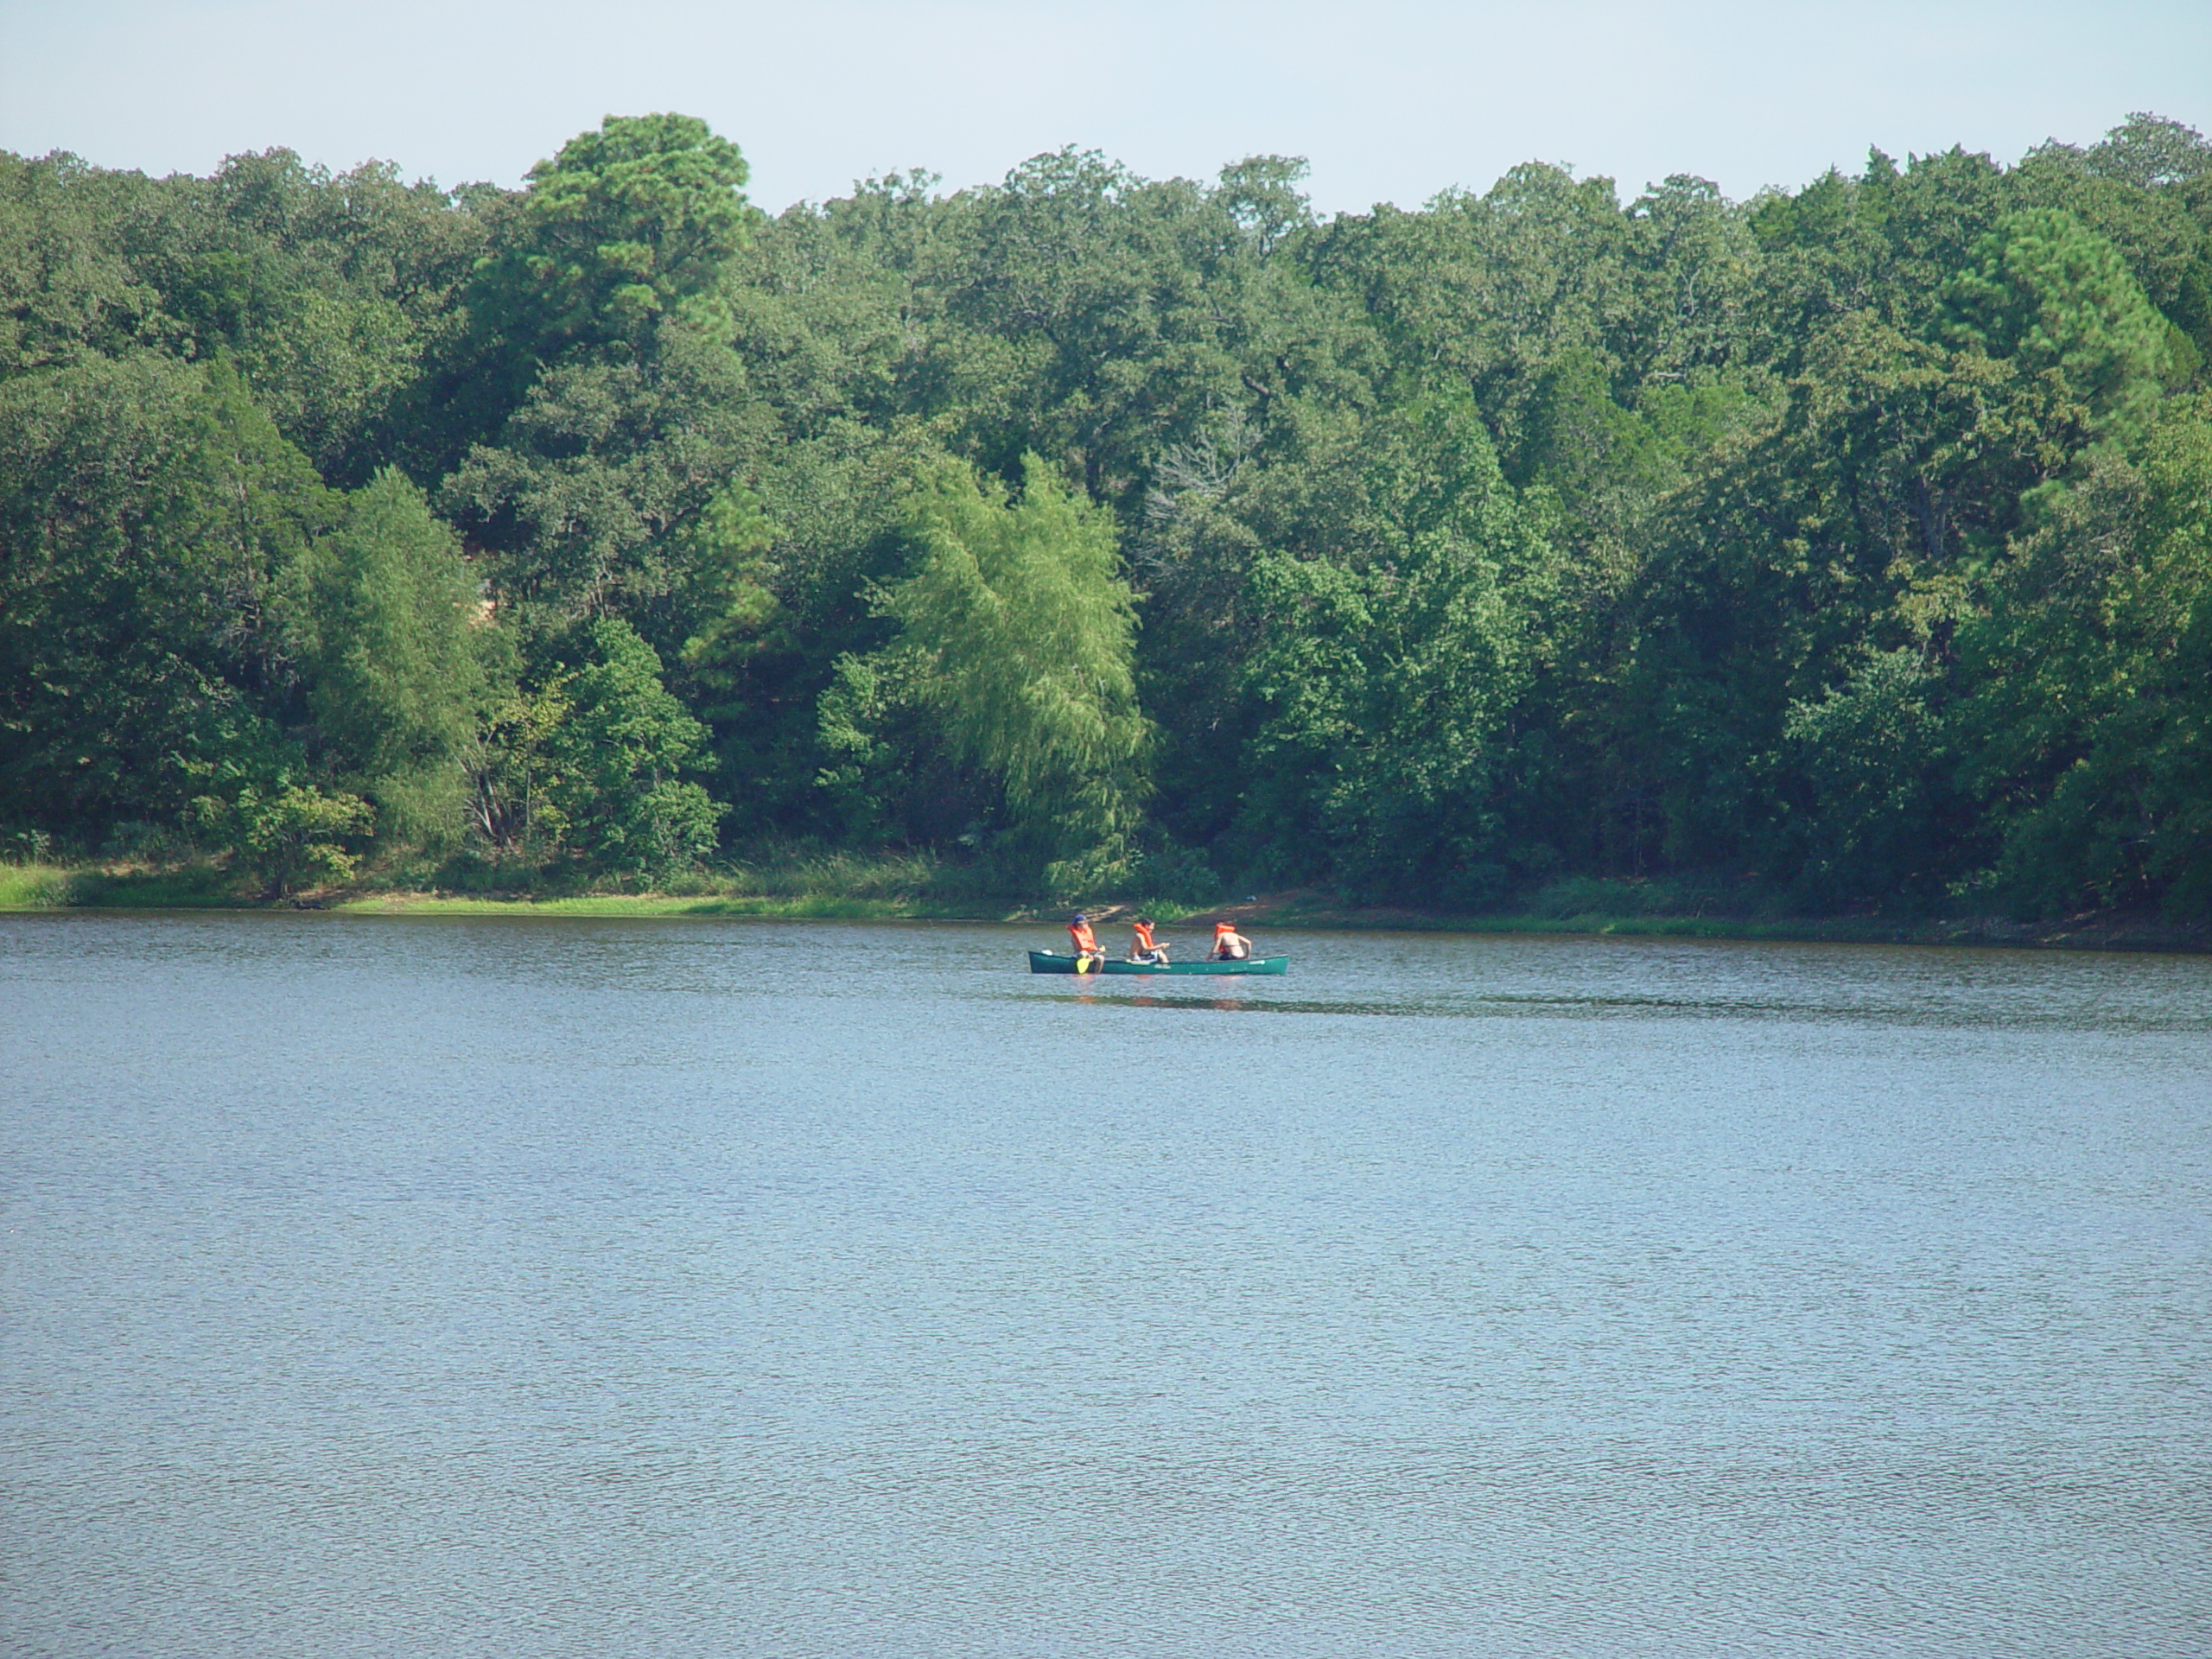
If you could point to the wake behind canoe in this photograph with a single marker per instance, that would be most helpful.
(1054, 962)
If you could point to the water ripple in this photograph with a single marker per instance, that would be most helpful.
(487, 1286)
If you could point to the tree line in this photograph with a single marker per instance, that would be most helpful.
(1850, 548)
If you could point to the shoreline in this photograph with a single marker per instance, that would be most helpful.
(51, 888)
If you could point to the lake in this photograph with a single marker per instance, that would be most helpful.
(520, 1286)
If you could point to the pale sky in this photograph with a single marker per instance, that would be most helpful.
(1390, 101)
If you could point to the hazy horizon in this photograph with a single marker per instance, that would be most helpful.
(1404, 102)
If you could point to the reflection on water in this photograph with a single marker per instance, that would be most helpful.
(499, 1286)
(1717, 1008)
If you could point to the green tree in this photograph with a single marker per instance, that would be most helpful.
(1837, 541)
(1091, 316)
(613, 409)
(2145, 190)
(1388, 688)
(2089, 726)
(1883, 823)
(617, 760)
(626, 226)
(511, 774)
(152, 523)
(283, 834)
(67, 289)
(583, 501)
(2052, 296)
(326, 292)
(1851, 524)
(2148, 150)
(1022, 630)
(1487, 294)
(389, 638)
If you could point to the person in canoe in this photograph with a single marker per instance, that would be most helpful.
(1230, 946)
(1088, 955)
(1141, 945)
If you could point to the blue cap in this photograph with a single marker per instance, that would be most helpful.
(1078, 917)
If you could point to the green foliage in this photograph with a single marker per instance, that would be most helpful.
(2091, 736)
(592, 334)
(324, 292)
(616, 756)
(1876, 761)
(286, 834)
(508, 773)
(2053, 296)
(731, 579)
(2148, 151)
(1388, 690)
(387, 638)
(1022, 631)
(152, 524)
(596, 472)
(880, 751)
(67, 291)
(1841, 549)
(34, 886)
(624, 227)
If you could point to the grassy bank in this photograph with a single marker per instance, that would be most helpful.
(824, 885)
(781, 882)
(35, 886)
(60, 887)
(904, 887)
(825, 906)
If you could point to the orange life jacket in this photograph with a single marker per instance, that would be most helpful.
(1084, 938)
(1144, 936)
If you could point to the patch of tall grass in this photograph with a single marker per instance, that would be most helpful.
(35, 886)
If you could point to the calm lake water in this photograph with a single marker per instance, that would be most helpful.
(448, 1287)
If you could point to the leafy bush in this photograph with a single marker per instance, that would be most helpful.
(287, 835)
(616, 757)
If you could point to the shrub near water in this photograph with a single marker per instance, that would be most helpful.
(32, 886)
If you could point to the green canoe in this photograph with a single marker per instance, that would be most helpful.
(1054, 962)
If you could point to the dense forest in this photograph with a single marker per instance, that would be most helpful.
(1088, 533)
